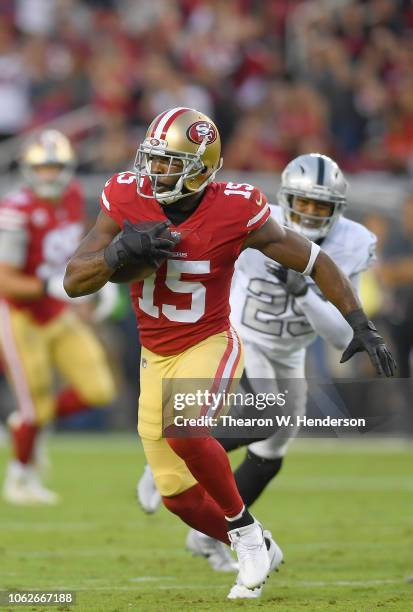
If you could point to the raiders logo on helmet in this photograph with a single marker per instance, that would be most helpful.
(199, 130)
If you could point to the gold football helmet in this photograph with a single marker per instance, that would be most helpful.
(47, 163)
(180, 155)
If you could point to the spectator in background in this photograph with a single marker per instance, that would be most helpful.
(15, 108)
(343, 70)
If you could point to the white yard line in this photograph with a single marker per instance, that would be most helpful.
(47, 526)
(197, 585)
(93, 552)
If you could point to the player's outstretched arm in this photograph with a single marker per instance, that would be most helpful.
(87, 270)
(295, 251)
(99, 254)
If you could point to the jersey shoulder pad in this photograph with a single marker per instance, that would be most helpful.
(354, 245)
(277, 213)
(120, 188)
(75, 189)
(250, 203)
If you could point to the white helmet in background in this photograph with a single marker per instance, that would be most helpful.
(314, 177)
(48, 149)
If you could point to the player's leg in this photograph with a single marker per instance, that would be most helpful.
(28, 368)
(80, 358)
(183, 496)
(213, 365)
(175, 483)
(197, 505)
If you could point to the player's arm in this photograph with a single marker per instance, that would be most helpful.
(15, 284)
(18, 286)
(294, 251)
(326, 320)
(323, 317)
(102, 252)
(87, 270)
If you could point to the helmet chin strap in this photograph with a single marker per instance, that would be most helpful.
(164, 198)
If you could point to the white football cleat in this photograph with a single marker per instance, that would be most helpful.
(275, 554)
(148, 495)
(22, 486)
(218, 555)
(254, 562)
(239, 591)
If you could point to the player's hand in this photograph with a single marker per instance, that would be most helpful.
(294, 282)
(366, 338)
(137, 241)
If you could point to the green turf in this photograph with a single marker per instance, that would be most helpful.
(342, 513)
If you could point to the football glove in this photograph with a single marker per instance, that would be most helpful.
(134, 243)
(366, 338)
(294, 282)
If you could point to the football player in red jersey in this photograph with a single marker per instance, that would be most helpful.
(40, 226)
(183, 308)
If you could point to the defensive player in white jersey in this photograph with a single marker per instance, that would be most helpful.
(279, 313)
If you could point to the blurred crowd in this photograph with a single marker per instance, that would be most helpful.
(280, 77)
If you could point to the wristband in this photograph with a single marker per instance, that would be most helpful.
(358, 320)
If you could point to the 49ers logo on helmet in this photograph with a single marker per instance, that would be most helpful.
(199, 130)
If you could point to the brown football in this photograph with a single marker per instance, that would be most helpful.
(139, 271)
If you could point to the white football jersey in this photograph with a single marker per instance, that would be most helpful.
(261, 309)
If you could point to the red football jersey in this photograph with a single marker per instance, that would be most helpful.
(187, 299)
(51, 233)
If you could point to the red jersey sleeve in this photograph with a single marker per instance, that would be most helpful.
(107, 200)
(259, 210)
(118, 194)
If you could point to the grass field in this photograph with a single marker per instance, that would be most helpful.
(343, 514)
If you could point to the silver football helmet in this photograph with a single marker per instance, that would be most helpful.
(314, 177)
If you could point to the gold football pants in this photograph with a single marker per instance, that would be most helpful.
(216, 362)
(31, 352)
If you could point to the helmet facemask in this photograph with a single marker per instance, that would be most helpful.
(312, 177)
(191, 167)
(313, 227)
(49, 189)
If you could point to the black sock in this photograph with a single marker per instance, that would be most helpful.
(253, 475)
(245, 519)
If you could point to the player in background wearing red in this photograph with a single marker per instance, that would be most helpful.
(41, 224)
(183, 308)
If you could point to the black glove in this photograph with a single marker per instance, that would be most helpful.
(133, 244)
(366, 338)
(294, 282)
